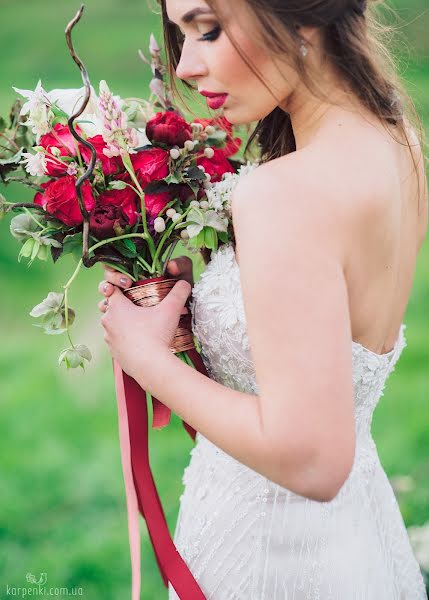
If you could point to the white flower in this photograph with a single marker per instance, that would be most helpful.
(199, 219)
(219, 194)
(38, 109)
(34, 164)
(36, 99)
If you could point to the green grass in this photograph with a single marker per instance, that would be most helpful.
(62, 508)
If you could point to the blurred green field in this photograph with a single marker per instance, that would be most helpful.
(62, 507)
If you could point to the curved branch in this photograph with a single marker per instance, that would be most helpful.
(85, 214)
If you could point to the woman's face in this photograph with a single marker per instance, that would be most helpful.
(210, 60)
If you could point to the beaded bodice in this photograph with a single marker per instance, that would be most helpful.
(219, 323)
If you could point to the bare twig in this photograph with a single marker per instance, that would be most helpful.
(86, 260)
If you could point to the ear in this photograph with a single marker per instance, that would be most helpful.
(311, 35)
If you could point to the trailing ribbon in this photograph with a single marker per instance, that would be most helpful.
(141, 492)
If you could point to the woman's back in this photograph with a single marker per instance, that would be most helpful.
(387, 198)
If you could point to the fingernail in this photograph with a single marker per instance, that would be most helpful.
(124, 281)
(105, 287)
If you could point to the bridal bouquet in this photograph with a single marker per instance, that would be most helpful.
(123, 186)
(121, 181)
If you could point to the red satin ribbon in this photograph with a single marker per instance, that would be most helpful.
(141, 492)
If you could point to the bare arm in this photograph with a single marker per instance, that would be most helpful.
(299, 432)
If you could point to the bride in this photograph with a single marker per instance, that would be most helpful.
(301, 323)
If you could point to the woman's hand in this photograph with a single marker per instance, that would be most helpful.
(137, 336)
(181, 267)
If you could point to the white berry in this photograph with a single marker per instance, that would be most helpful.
(184, 234)
(174, 153)
(176, 217)
(209, 152)
(204, 204)
(194, 203)
(170, 212)
(189, 145)
(159, 225)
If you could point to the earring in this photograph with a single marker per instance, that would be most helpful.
(303, 49)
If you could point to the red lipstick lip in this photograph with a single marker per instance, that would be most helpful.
(211, 94)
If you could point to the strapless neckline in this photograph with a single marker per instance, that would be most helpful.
(355, 344)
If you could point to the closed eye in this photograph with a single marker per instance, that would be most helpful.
(211, 35)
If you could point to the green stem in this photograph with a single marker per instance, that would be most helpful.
(66, 299)
(144, 264)
(188, 360)
(168, 231)
(34, 219)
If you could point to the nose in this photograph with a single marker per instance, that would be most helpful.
(191, 64)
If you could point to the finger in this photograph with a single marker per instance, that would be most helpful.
(102, 306)
(178, 295)
(181, 266)
(117, 279)
(105, 288)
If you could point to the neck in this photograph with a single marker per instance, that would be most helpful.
(308, 113)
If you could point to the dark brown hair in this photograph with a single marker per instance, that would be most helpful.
(353, 40)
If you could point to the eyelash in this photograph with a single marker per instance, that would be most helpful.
(211, 36)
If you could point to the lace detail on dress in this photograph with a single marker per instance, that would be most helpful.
(245, 537)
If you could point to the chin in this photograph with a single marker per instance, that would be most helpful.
(238, 117)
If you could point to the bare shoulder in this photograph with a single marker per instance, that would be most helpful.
(303, 187)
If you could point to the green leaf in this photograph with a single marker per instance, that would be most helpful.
(210, 238)
(223, 236)
(72, 244)
(198, 241)
(123, 248)
(172, 178)
(15, 159)
(131, 246)
(196, 174)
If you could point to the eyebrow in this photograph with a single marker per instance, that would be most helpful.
(190, 15)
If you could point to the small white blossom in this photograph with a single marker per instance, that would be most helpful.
(176, 217)
(72, 169)
(174, 153)
(170, 212)
(219, 194)
(210, 130)
(209, 152)
(204, 204)
(184, 234)
(34, 164)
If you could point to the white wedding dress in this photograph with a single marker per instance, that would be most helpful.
(247, 538)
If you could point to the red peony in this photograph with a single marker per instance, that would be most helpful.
(155, 203)
(110, 166)
(168, 128)
(125, 199)
(60, 200)
(216, 166)
(62, 139)
(150, 165)
(232, 145)
(105, 219)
